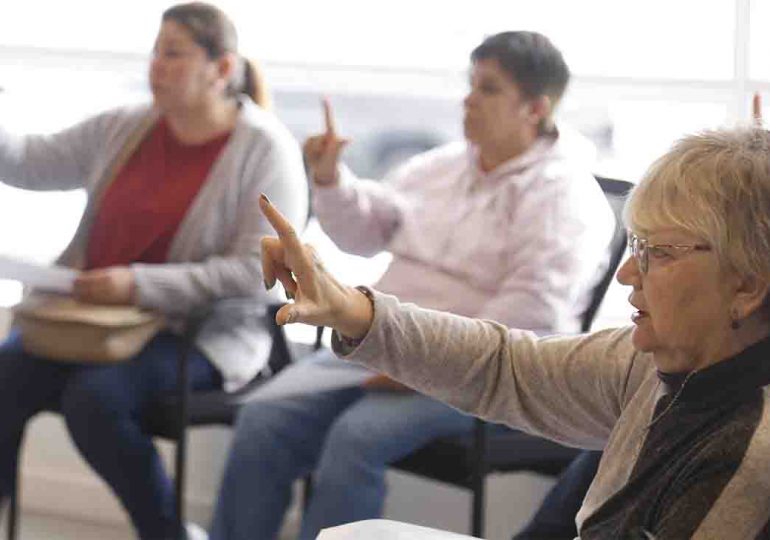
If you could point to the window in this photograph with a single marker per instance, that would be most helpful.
(644, 74)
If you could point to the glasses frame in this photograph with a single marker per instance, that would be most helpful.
(640, 250)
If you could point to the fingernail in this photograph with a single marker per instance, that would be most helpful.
(264, 198)
(267, 287)
(289, 295)
(291, 317)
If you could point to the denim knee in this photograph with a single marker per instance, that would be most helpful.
(350, 437)
(89, 399)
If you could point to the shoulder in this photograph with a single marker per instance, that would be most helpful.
(437, 162)
(446, 155)
(123, 117)
(569, 159)
(258, 126)
(110, 129)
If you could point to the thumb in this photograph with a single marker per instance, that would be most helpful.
(296, 312)
(337, 146)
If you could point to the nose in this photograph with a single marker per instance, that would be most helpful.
(156, 64)
(628, 273)
(470, 97)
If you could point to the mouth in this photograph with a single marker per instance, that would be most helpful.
(638, 316)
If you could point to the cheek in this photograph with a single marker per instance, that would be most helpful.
(680, 316)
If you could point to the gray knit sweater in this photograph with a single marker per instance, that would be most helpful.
(214, 258)
(680, 461)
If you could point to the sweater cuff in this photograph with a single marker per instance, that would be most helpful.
(343, 346)
(339, 193)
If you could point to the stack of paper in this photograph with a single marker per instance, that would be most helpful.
(385, 529)
(47, 278)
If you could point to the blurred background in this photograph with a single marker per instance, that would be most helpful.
(644, 73)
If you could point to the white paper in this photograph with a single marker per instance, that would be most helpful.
(311, 376)
(47, 278)
(385, 529)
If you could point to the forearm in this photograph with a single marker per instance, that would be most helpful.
(553, 387)
(183, 288)
(360, 216)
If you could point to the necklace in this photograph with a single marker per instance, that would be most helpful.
(645, 430)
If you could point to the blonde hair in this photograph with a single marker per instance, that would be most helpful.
(716, 186)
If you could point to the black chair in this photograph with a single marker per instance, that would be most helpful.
(465, 461)
(171, 417)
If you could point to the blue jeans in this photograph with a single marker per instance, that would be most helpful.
(346, 438)
(555, 519)
(102, 406)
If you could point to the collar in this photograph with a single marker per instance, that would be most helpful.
(736, 376)
(516, 165)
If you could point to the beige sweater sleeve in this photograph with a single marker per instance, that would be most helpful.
(569, 389)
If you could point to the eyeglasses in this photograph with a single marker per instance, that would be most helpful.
(643, 251)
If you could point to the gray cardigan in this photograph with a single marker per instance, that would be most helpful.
(214, 258)
(679, 462)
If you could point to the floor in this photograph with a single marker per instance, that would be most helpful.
(48, 527)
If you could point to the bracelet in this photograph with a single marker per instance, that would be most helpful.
(350, 342)
(367, 292)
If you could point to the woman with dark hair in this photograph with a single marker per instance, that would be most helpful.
(172, 226)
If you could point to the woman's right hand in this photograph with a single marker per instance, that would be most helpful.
(756, 109)
(322, 152)
(319, 299)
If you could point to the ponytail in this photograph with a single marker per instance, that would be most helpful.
(253, 84)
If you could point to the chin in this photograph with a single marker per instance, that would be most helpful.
(469, 131)
(643, 340)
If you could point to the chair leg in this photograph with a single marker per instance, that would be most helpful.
(478, 480)
(13, 509)
(477, 518)
(179, 483)
(183, 394)
(15, 495)
(307, 491)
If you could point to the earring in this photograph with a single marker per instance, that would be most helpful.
(735, 320)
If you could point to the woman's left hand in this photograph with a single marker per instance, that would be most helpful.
(114, 285)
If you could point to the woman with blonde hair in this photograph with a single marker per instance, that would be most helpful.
(679, 400)
(172, 226)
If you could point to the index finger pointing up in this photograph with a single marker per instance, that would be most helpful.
(281, 225)
(328, 117)
(756, 108)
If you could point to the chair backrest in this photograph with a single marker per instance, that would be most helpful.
(616, 192)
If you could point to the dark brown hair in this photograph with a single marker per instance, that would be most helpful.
(532, 62)
(212, 30)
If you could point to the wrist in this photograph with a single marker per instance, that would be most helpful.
(326, 176)
(357, 316)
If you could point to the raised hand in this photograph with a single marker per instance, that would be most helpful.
(322, 152)
(114, 285)
(319, 299)
(756, 109)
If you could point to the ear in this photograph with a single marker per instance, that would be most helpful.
(538, 109)
(750, 295)
(225, 67)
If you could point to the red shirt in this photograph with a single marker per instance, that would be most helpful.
(143, 207)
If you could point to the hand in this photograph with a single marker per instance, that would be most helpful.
(114, 285)
(319, 299)
(383, 382)
(322, 152)
(756, 109)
